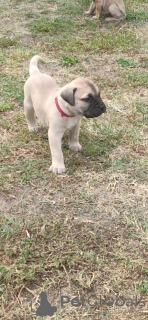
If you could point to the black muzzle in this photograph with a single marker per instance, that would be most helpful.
(95, 109)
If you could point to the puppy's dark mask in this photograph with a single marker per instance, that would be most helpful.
(95, 108)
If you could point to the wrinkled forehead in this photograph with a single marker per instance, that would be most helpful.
(94, 89)
(86, 86)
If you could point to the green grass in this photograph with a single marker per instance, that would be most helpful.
(2, 59)
(24, 171)
(68, 61)
(46, 238)
(97, 146)
(5, 124)
(125, 40)
(12, 91)
(143, 286)
(141, 107)
(136, 78)
(138, 16)
(6, 42)
(122, 39)
(126, 63)
(52, 26)
(67, 8)
(92, 45)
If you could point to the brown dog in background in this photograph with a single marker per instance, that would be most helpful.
(115, 8)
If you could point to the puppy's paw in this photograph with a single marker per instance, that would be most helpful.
(75, 146)
(86, 13)
(95, 18)
(112, 19)
(35, 128)
(56, 169)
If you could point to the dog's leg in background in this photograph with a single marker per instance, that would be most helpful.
(90, 10)
(55, 139)
(29, 113)
(74, 137)
(98, 10)
(95, 6)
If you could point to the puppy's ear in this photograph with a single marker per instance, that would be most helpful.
(68, 94)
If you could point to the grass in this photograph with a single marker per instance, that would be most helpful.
(12, 91)
(7, 42)
(140, 16)
(68, 61)
(51, 27)
(126, 63)
(81, 255)
(124, 40)
(83, 233)
(136, 79)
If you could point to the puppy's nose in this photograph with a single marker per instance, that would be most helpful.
(103, 108)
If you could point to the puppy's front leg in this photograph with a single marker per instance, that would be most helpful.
(90, 10)
(98, 9)
(56, 151)
(74, 137)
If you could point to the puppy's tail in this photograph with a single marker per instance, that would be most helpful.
(33, 65)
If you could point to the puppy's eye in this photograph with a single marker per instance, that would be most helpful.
(88, 99)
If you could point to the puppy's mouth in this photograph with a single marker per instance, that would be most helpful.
(95, 110)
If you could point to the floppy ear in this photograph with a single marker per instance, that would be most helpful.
(68, 94)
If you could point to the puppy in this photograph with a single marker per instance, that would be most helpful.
(59, 109)
(115, 8)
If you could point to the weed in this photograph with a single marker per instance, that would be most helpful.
(7, 42)
(67, 61)
(2, 59)
(143, 286)
(126, 63)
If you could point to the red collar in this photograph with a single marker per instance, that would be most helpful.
(63, 114)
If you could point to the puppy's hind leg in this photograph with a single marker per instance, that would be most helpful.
(116, 13)
(29, 113)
